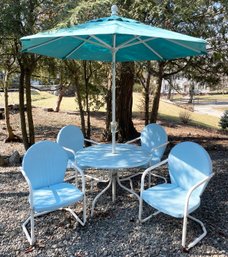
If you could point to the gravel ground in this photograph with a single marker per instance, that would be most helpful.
(114, 230)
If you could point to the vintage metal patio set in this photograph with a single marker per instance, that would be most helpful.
(115, 39)
(45, 164)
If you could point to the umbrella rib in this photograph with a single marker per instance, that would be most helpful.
(74, 50)
(42, 44)
(138, 42)
(152, 50)
(141, 41)
(127, 42)
(183, 45)
(90, 41)
(102, 42)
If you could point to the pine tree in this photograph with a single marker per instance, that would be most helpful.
(223, 123)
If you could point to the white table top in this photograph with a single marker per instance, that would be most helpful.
(101, 156)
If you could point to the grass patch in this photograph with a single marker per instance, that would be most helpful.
(166, 110)
(217, 97)
(170, 111)
(213, 99)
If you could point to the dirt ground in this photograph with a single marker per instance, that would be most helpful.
(47, 125)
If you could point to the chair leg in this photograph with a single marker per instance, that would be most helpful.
(84, 210)
(184, 233)
(31, 236)
(141, 210)
(130, 179)
(83, 220)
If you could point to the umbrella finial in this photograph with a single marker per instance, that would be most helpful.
(114, 10)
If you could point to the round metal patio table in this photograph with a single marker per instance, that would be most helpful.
(101, 157)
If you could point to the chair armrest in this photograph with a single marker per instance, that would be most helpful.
(69, 150)
(132, 141)
(77, 169)
(190, 191)
(30, 187)
(157, 147)
(149, 170)
(91, 141)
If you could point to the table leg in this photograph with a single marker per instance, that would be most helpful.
(101, 193)
(113, 187)
(125, 188)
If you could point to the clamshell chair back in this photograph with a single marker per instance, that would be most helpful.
(71, 137)
(152, 136)
(42, 157)
(188, 164)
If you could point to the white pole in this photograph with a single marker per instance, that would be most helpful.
(113, 123)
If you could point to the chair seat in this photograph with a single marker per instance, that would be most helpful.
(56, 196)
(170, 199)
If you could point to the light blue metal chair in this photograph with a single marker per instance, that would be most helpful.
(153, 140)
(72, 140)
(43, 167)
(190, 169)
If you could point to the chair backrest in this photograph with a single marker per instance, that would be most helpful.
(154, 135)
(45, 164)
(189, 163)
(71, 137)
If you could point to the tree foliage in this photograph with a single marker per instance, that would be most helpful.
(200, 18)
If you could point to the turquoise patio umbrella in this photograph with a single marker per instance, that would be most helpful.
(113, 39)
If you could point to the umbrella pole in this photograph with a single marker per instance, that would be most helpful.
(113, 123)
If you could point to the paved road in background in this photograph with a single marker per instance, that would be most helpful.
(210, 109)
(206, 108)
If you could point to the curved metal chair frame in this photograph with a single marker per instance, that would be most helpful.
(191, 191)
(43, 167)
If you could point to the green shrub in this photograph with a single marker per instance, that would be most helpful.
(223, 123)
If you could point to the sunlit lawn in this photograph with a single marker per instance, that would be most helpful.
(166, 110)
(171, 111)
(210, 98)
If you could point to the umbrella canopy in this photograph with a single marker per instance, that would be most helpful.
(113, 39)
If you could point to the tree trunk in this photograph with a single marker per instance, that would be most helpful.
(60, 97)
(86, 80)
(22, 108)
(157, 93)
(191, 93)
(147, 98)
(170, 90)
(28, 73)
(170, 87)
(126, 129)
(11, 136)
(79, 99)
